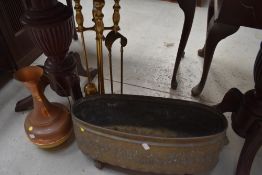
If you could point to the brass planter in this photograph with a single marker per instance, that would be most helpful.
(150, 134)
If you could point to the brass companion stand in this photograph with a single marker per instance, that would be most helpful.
(99, 28)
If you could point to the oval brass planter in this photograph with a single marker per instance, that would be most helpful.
(150, 134)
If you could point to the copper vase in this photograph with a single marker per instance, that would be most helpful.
(49, 124)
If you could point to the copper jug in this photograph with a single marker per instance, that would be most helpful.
(49, 124)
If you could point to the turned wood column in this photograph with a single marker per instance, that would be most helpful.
(51, 25)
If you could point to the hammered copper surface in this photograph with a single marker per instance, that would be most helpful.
(150, 134)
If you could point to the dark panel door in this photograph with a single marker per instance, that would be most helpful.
(17, 38)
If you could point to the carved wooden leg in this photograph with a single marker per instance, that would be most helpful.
(248, 123)
(216, 32)
(81, 70)
(246, 117)
(251, 146)
(231, 101)
(63, 77)
(189, 10)
(210, 14)
(73, 86)
(27, 102)
(24, 104)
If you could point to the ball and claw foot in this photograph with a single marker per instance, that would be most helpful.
(196, 91)
(201, 52)
(99, 165)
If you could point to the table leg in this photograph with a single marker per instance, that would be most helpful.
(252, 144)
(253, 118)
(216, 33)
(188, 7)
(210, 14)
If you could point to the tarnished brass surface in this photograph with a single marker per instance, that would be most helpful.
(129, 132)
(116, 16)
(99, 28)
(89, 88)
(49, 124)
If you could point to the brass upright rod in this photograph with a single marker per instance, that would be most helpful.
(86, 59)
(99, 28)
(80, 28)
(90, 87)
(99, 47)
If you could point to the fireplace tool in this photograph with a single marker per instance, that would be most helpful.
(110, 39)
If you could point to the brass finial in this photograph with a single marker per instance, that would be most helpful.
(116, 16)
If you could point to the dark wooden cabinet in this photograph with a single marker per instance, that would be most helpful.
(16, 47)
